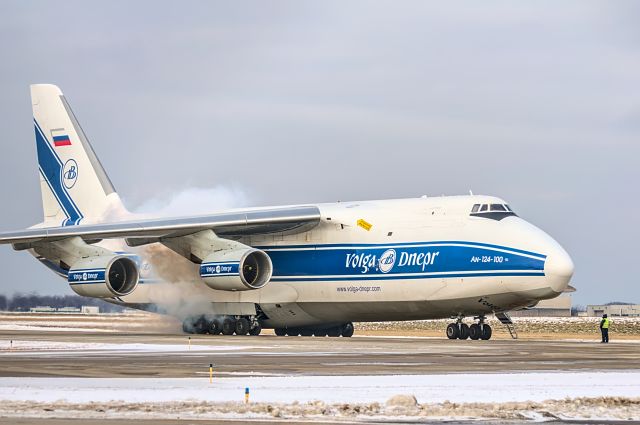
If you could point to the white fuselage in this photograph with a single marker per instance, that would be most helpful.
(382, 260)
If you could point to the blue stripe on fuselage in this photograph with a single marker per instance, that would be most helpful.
(401, 261)
(391, 277)
(392, 245)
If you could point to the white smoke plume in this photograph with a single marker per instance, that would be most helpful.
(182, 293)
(194, 201)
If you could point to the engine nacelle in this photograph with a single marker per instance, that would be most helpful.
(236, 269)
(104, 276)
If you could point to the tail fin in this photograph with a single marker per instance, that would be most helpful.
(74, 185)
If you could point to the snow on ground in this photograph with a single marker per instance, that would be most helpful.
(57, 328)
(534, 397)
(458, 388)
(106, 322)
(13, 347)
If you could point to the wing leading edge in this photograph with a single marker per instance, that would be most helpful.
(237, 223)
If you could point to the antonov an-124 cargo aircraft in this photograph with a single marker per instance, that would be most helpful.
(300, 270)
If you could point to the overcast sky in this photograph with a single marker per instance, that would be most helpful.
(265, 103)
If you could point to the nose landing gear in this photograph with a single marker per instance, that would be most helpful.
(460, 330)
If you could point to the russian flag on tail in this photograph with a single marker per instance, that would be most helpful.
(60, 137)
(61, 141)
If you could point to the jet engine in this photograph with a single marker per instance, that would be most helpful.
(236, 269)
(104, 276)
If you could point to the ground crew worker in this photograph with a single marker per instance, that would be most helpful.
(604, 328)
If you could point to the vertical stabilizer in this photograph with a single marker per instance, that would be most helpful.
(75, 188)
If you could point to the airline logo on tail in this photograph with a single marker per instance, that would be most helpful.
(70, 173)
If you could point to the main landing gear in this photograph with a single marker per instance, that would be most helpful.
(225, 325)
(460, 330)
(345, 330)
(249, 325)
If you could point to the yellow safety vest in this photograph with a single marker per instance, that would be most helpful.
(606, 322)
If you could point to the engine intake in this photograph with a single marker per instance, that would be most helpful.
(104, 276)
(236, 270)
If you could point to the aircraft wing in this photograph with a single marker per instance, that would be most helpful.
(228, 224)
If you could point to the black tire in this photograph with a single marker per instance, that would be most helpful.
(228, 326)
(452, 331)
(334, 332)
(255, 330)
(187, 326)
(486, 332)
(474, 332)
(243, 326)
(306, 332)
(320, 332)
(293, 331)
(201, 325)
(347, 330)
(464, 331)
(214, 326)
(280, 331)
(218, 327)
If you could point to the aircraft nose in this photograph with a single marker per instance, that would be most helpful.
(558, 268)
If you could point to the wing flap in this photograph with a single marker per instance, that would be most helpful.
(236, 223)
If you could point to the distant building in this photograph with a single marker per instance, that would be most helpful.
(555, 307)
(68, 310)
(90, 309)
(624, 310)
(42, 309)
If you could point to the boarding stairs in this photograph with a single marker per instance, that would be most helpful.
(505, 319)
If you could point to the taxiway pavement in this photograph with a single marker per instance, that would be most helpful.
(87, 354)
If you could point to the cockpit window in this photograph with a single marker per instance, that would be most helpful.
(492, 211)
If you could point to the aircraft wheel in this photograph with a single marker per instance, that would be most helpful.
(280, 331)
(452, 331)
(215, 327)
(486, 332)
(306, 332)
(334, 332)
(474, 331)
(320, 332)
(464, 331)
(293, 332)
(201, 325)
(347, 330)
(228, 326)
(187, 326)
(242, 326)
(255, 330)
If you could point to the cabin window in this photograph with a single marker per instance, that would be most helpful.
(498, 207)
(475, 208)
(484, 207)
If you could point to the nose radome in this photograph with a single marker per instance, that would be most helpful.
(558, 269)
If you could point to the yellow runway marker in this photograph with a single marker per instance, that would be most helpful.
(211, 373)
